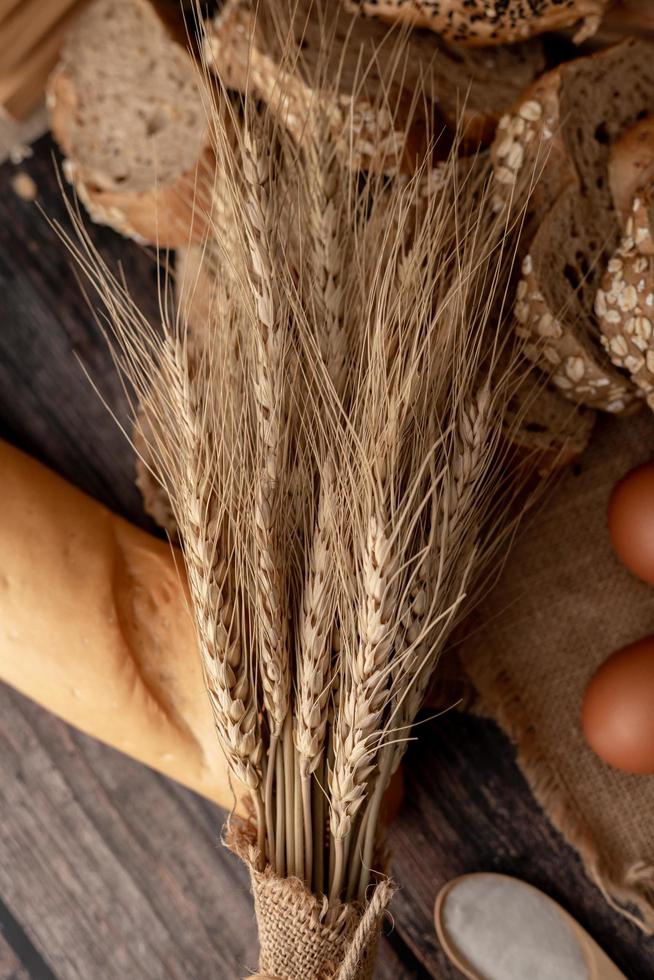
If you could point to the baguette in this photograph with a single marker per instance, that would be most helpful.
(489, 22)
(95, 626)
(126, 110)
(247, 54)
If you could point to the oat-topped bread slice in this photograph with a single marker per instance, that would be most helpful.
(126, 111)
(625, 310)
(554, 307)
(488, 22)
(561, 130)
(332, 44)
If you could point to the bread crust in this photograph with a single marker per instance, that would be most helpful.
(567, 357)
(241, 51)
(100, 616)
(539, 143)
(168, 214)
(625, 311)
(631, 169)
(482, 23)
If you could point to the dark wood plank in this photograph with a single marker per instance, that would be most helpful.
(109, 870)
(468, 808)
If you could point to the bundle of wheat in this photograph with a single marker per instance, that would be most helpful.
(334, 452)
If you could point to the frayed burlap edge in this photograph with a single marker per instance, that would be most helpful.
(302, 936)
(634, 886)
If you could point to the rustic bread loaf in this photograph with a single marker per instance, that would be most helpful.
(487, 22)
(95, 626)
(560, 135)
(246, 52)
(126, 111)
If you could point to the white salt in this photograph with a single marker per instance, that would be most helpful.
(508, 932)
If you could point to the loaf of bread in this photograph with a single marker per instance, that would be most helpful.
(248, 53)
(560, 136)
(126, 110)
(95, 626)
(488, 22)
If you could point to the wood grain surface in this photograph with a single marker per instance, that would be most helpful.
(108, 871)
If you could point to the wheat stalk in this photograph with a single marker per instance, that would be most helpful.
(331, 446)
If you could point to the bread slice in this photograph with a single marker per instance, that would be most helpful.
(563, 128)
(625, 310)
(554, 309)
(126, 111)
(247, 52)
(631, 165)
(561, 134)
(546, 431)
(488, 22)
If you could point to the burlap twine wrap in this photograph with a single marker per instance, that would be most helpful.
(562, 605)
(303, 937)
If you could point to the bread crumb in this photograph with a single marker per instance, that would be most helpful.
(24, 186)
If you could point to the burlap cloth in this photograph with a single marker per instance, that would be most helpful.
(303, 937)
(562, 605)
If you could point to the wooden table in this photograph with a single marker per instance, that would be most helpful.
(109, 871)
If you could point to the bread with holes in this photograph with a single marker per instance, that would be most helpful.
(488, 22)
(246, 51)
(624, 305)
(559, 138)
(126, 112)
(554, 311)
(631, 166)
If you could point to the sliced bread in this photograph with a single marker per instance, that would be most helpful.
(126, 111)
(554, 309)
(625, 310)
(562, 129)
(487, 22)
(247, 51)
(560, 137)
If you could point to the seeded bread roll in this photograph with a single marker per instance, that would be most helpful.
(95, 626)
(625, 310)
(126, 111)
(488, 22)
(566, 343)
(486, 83)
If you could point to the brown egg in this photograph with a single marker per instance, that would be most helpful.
(631, 521)
(618, 709)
